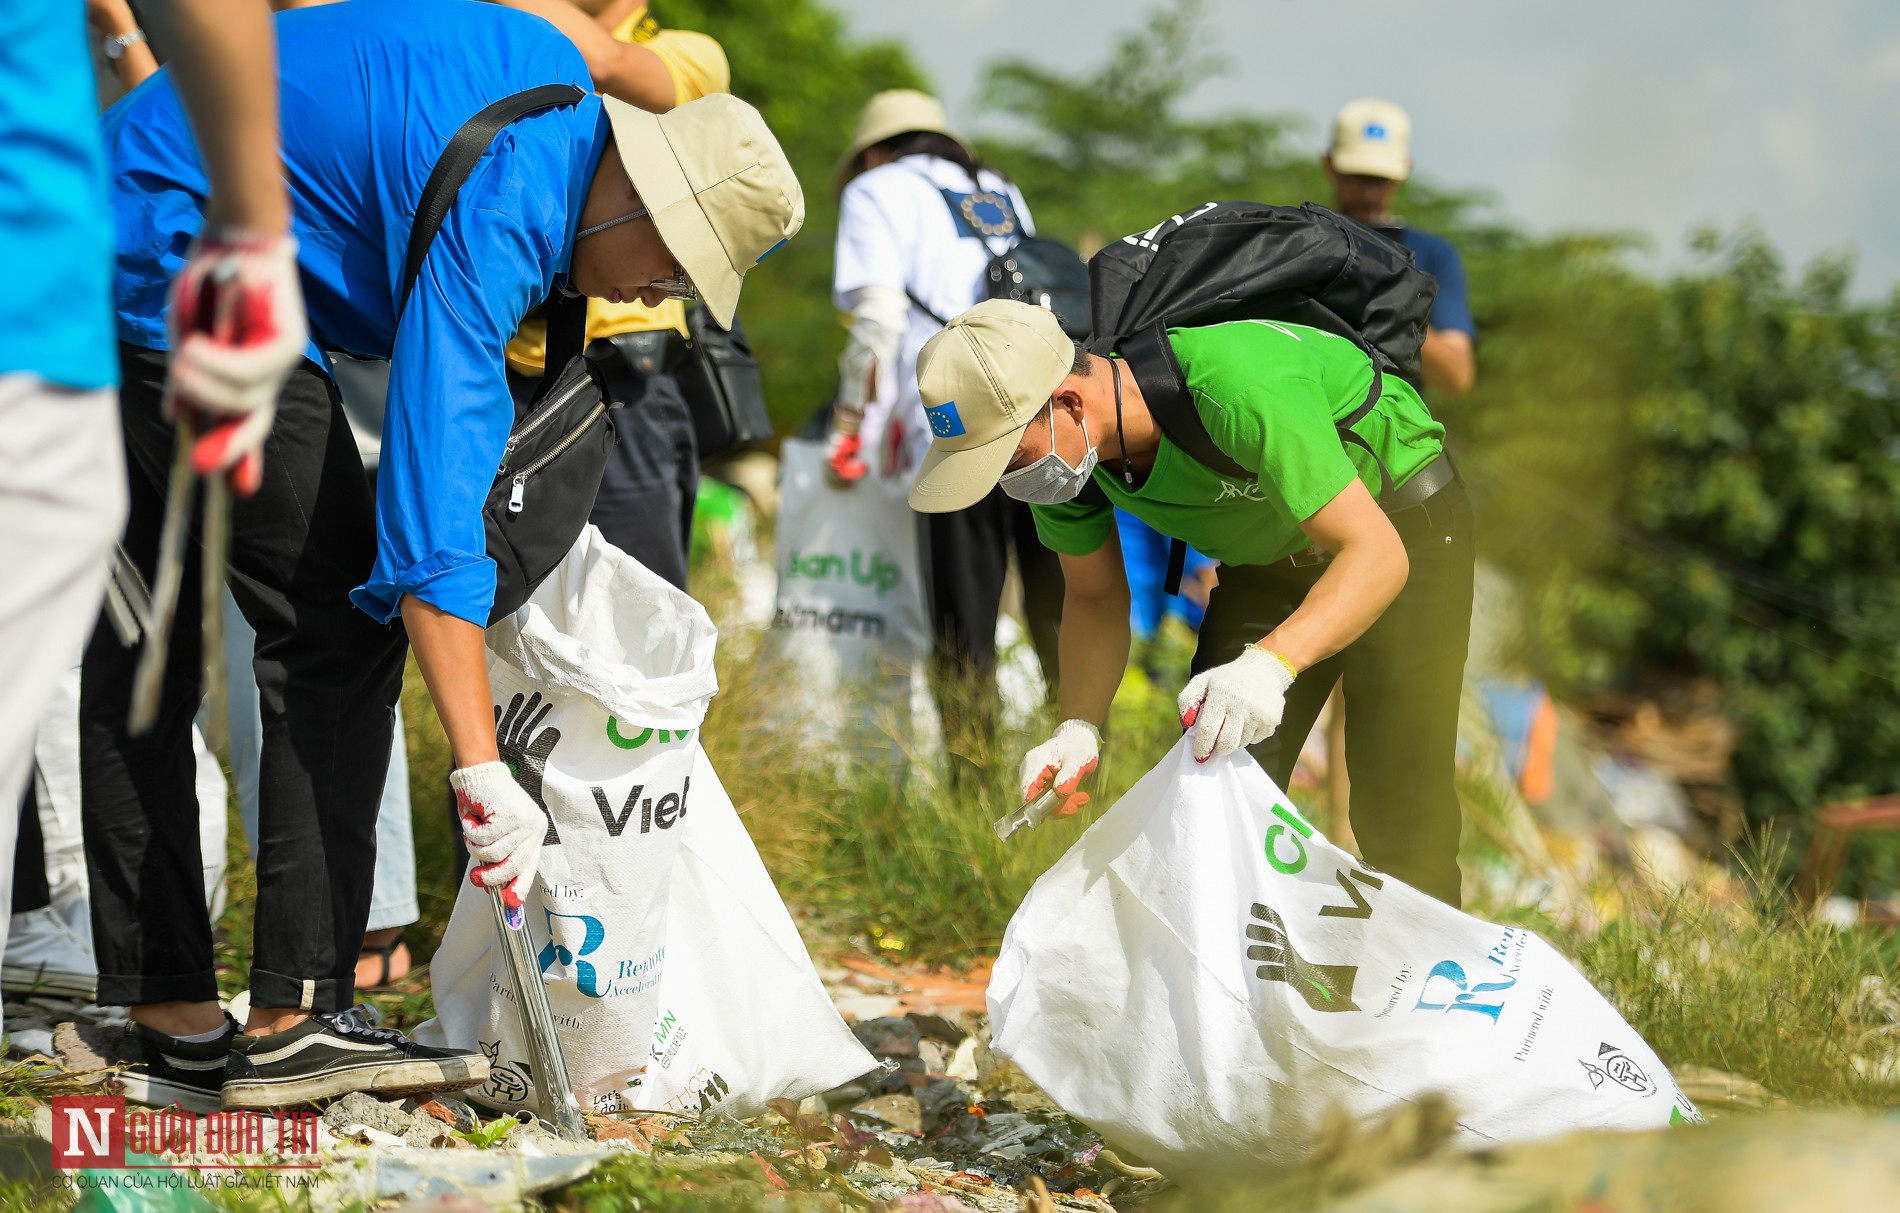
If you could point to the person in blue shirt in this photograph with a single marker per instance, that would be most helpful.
(1369, 160)
(62, 486)
(593, 197)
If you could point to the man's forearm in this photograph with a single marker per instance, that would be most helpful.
(454, 664)
(224, 62)
(1449, 362)
(622, 70)
(1093, 651)
(1348, 598)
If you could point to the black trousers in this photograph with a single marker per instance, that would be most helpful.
(1403, 679)
(645, 507)
(969, 560)
(327, 678)
(30, 888)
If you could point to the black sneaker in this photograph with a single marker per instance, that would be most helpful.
(328, 1055)
(154, 1069)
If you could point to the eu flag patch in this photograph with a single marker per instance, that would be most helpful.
(944, 422)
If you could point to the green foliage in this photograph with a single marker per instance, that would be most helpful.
(791, 59)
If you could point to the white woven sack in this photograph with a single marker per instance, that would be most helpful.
(1203, 976)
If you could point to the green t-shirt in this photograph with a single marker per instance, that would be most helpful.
(1268, 393)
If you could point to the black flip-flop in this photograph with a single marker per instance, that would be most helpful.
(384, 954)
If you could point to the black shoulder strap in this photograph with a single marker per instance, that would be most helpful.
(458, 159)
(925, 308)
(1150, 358)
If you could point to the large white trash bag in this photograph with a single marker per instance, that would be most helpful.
(1203, 976)
(600, 682)
(850, 626)
(743, 1015)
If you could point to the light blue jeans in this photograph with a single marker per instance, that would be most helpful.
(393, 904)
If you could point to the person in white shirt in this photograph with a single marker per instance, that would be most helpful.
(920, 218)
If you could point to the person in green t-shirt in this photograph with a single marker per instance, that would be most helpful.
(1341, 556)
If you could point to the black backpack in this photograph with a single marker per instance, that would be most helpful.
(1250, 261)
(1033, 270)
(557, 449)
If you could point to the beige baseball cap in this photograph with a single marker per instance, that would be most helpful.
(718, 186)
(1372, 138)
(983, 379)
(896, 111)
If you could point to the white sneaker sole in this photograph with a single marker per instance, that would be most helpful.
(36, 979)
(387, 1079)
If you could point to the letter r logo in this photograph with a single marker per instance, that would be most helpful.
(88, 1131)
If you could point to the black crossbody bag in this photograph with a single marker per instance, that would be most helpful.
(557, 449)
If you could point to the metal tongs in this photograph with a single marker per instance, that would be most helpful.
(559, 1107)
(132, 610)
(1029, 816)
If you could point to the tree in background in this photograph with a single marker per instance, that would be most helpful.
(791, 58)
(1694, 478)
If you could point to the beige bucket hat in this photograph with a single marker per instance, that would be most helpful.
(984, 378)
(896, 111)
(717, 185)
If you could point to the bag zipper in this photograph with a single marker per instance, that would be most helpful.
(519, 492)
(543, 411)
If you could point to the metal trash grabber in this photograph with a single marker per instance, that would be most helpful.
(157, 613)
(551, 1085)
(1029, 816)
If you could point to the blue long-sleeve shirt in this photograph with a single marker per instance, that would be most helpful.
(372, 92)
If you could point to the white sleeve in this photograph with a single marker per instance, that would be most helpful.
(879, 318)
(877, 237)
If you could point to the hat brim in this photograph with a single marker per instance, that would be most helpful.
(1371, 163)
(957, 480)
(654, 168)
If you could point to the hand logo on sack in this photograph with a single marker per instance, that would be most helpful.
(526, 752)
(1324, 987)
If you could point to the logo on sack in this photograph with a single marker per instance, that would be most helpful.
(1324, 987)
(99, 1132)
(669, 809)
(871, 570)
(1614, 1065)
(572, 938)
(944, 421)
(837, 621)
(643, 736)
(509, 1081)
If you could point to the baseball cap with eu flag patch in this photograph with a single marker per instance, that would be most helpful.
(984, 378)
(717, 184)
(1372, 138)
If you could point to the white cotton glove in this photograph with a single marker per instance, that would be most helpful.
(503, 826)
(236, 328)
(1062, 762)
(1236, 704)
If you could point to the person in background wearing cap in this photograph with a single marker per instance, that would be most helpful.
(919, 218)
(595, 197)
(645, 507)
(1322, 574)
(1369, 159)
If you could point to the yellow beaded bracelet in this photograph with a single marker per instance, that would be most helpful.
(1291, 672)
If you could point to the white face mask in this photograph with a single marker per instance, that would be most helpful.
(1050, 480)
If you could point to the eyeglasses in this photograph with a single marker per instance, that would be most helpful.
(679, 286)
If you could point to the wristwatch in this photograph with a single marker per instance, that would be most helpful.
(117, 44)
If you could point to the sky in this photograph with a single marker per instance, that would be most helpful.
(1643, 116)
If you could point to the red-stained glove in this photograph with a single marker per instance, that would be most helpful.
(842, 461)
(503, 826)
(236, 326)
(1063, 761)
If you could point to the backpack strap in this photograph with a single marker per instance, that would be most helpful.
(1150, 357)
(458, 159)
